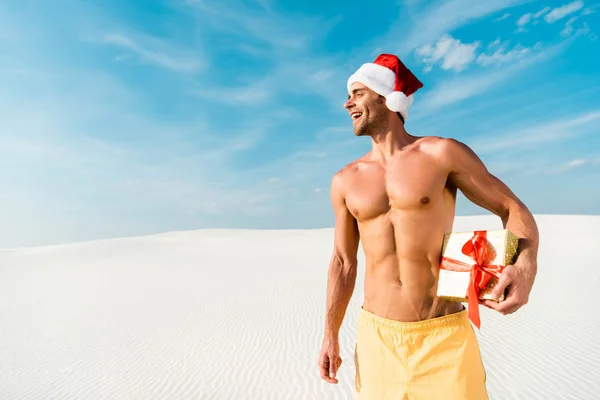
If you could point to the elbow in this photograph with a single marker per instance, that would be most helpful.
(345, 263)
(517, 211)
(517, 207)
(350, 266)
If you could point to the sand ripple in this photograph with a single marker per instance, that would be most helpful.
(223, 315)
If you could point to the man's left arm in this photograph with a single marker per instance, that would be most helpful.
(468, 173)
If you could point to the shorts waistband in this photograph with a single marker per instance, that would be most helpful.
(457, 320)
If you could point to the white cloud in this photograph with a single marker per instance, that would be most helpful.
(464, 87)
(503, 17)
(568, 29)
(113, 156)
(576, 163)
(494, 43)
(537, 134)
(438, 18)
(281, 32)
(571, 165)
(281, 41)
(524, 20)
(530, 17)
(98, 161)
(162, 55)
(454, 91)
(590, 10)
(449, 52)
(265, 4)
(501, 55)
(561, 12)
(541, 12)
(79, 134)
(256, 93)
(555, 14)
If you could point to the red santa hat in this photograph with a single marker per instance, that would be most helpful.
(389, 77)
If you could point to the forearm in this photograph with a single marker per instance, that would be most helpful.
(521, 222)
(340, 286)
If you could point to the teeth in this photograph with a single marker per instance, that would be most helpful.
(356, 115)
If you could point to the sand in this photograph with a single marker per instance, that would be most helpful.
(235, 314)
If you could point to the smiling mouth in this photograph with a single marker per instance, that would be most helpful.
(355, 116)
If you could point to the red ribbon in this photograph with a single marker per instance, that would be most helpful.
(481, 271)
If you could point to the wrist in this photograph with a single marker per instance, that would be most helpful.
(331, 336)
(528, 268)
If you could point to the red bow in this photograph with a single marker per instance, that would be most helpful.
(481, 271)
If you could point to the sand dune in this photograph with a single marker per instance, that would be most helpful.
(224, 314)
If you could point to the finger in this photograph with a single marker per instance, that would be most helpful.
(512, 309)
(495, 302)
(507, 305)
(491, 304)
(333, 367)
(325, 368)
(503, 282)
(514, 301)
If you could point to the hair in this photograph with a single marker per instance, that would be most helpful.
(382, 99)
(401, 117)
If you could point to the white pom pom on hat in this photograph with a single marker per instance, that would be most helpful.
(389, 77)
(397, 101)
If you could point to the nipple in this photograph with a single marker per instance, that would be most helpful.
(425, 200)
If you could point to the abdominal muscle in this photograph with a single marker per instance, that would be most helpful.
(402, 250)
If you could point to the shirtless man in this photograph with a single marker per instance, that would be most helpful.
(399, 200)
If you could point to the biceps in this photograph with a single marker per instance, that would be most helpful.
(485, 190)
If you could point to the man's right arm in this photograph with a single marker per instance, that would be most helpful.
(343, 265)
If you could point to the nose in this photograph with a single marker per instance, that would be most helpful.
(348, 104)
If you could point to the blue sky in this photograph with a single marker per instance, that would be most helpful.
(131, 118)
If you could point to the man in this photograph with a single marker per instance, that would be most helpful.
(399, 200)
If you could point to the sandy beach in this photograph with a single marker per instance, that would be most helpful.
(238, 314)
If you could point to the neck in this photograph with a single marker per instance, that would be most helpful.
(390, 140)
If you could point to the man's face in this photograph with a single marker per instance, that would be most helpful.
(367, 110)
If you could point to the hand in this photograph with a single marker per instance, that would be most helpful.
(330, 360)
(517, 280)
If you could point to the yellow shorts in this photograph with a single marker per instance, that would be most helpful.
(436, 359)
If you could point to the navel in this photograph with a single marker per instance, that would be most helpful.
(425, 200)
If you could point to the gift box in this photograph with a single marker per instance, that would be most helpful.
(472, 263)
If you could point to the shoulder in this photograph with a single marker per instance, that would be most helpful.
(345, 173)
(341, 178)
(442, 145)
(448, 151)
(451, 145)
(337, 192)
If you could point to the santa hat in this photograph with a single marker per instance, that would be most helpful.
(389, 77)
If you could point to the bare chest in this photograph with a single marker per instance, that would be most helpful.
(411, 184)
